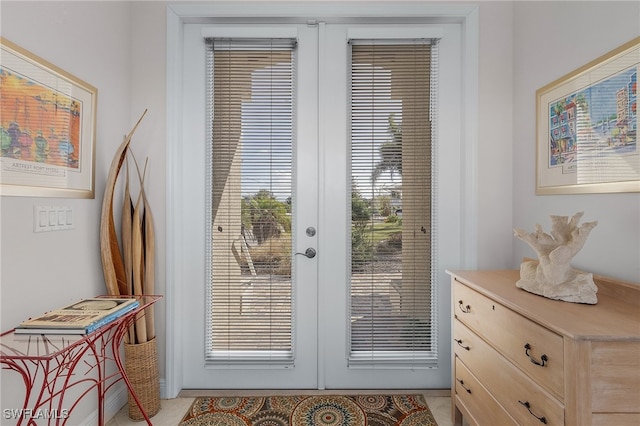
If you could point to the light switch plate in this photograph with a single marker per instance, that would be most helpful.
(52, 218)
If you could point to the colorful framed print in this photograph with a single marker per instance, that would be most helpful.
(47, 128)
(587, 123)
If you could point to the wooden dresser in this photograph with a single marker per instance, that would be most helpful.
(522, 359)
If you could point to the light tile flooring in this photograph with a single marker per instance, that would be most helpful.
(172, 410)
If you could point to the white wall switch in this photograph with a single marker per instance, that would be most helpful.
(42, 218)
(52, 218)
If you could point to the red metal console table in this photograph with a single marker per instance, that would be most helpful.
(47, 364)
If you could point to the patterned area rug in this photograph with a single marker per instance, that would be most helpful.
(318, 410)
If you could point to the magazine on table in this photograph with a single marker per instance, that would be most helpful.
(82, 317)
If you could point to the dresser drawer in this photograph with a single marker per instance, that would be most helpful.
(531, 347)
(476, 399)
(525, 401)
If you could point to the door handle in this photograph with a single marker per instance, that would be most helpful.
(310, 253)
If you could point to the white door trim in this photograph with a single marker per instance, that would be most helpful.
(180, 14)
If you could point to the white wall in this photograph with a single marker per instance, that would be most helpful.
(120, 47)
(552, 39)
(90, 41)
(148, 91)
(495, 126)
(38, 272)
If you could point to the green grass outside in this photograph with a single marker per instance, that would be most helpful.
(382, 231)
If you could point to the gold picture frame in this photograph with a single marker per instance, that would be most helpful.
(586, 135)
(47, 128)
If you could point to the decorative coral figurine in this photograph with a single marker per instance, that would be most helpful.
(552, 275)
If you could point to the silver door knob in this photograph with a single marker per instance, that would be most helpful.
(309, 253)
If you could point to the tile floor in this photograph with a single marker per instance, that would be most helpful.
(172, 411)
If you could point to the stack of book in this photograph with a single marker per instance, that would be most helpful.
(83, 317)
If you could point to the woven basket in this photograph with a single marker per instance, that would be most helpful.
(141, 365)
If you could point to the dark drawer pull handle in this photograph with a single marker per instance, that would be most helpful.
(465, 309)
(544, 358)
(459, 342)
(528, 406)
(463, 386)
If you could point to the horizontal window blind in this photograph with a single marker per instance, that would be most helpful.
(251, 85)
(393, 97)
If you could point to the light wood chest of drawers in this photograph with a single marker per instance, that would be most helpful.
(522, 359)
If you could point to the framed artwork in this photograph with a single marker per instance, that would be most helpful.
(47, 128)
(587, 123)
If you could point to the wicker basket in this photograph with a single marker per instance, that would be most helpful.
(141, 365)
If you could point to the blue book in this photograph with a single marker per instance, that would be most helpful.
(82, 317)
(112, 317)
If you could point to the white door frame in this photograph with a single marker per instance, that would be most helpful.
(180, 14)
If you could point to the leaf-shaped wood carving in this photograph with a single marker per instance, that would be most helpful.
(112, 262)
(149, 251)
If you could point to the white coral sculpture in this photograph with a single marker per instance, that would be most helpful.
(552, 275)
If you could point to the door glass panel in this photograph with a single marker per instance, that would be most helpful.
(249, 297)
(392, 89)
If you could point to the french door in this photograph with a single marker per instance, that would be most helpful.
(312, 205)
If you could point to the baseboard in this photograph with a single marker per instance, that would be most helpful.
(116, 399)
(114, 402)
(194, 393)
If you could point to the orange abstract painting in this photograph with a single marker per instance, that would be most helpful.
(38, 123)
